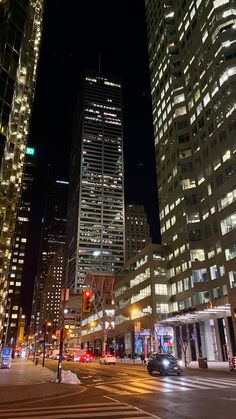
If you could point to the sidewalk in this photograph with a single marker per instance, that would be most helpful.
(212, 365)
(25, 380)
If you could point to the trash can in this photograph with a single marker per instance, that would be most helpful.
(202, 362)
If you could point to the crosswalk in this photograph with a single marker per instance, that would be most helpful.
(166, 384)
(113, 410)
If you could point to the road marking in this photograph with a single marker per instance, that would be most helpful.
(166, 384)
(112, 390)
(149, 414)
(89, 410)
(211, 383)
(153, 386)
(137, 390)
(221, 380)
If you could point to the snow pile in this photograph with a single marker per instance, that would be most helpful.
(67, 377)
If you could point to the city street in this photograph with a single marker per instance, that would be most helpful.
(126, 390)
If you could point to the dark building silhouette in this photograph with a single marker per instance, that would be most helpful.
(137, 232)
(52, 240)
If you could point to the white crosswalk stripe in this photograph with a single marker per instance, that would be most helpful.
(87, 410)
(167, 384)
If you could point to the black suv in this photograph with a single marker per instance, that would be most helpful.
(164, 364)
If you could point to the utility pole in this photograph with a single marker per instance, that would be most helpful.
(44, 341)
(59, 366)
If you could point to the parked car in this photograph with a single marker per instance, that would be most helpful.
(164, 364)
(108, 359)
(87, 357)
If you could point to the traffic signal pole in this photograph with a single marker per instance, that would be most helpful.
(61, 345)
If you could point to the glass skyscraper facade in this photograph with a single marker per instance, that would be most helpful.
(19, 251)
(193, 79)
(95, 239)
(20, 36)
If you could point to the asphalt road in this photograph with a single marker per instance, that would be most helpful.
(200, 394)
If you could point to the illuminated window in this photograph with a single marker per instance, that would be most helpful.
(160, 289)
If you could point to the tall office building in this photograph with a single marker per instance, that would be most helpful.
(51, 296)
(95, 239)
(52, 241)
(193, 79)
(17, 263)
(137, 232)
(20, 36)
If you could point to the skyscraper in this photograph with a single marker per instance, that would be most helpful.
(53, 241)
(192, 65)
(95, 238)
(137, 232)
(20, 36)
(17, 264)
(51, 295)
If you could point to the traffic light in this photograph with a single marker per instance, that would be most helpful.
(87, 300)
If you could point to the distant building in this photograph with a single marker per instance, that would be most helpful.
(17, 264)
(20, 37)
(53, 240)
(137, 232)
(51, 295)
(73, 317)
(95, 239)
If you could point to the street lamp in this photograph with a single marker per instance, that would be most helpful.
(44, 341)
(59, 366)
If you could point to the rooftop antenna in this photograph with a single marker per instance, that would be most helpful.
(99, 63)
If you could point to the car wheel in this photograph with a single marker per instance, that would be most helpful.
(179, 373)
(114, 363)
(150, 371)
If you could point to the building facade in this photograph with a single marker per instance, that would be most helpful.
(95, 239)
(141, 302)
(52, 241)
(193, 75)
(20, 36)
(19, 250)
(137, 232)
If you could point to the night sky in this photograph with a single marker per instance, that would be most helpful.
(74, 35)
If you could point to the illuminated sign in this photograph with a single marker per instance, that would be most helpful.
(30, 151)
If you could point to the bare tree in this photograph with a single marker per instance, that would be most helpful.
(183, 338)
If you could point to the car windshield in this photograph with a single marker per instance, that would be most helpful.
(167, 356)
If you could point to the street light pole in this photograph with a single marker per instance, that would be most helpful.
(61, 345)
(44, 341)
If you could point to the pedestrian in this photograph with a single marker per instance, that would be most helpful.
(142, 357)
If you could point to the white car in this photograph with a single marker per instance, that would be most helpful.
(108, 359)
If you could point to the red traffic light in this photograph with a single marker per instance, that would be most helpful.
(87, 293)
(86, 300)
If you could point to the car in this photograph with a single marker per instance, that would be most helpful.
(164, 363)
(108, 359)
(86, 358)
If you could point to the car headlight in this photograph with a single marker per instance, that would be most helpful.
(165, 362)
(180, 363)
